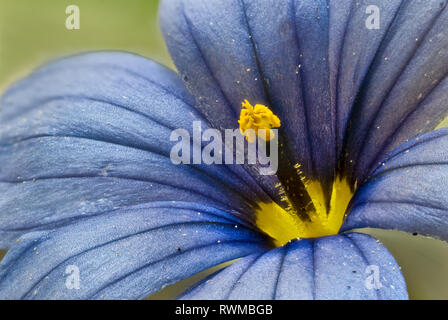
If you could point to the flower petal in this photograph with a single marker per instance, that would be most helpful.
(336, 267)
(404, 91)
(353, 48)
(408, 190)
(125, 254)
(91, 133)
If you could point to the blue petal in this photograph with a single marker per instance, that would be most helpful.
(353, 48)
(408, 190)
(405, 90)
(336, 267)
(90, 133)
(128, 254)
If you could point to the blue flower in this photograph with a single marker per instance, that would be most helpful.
(92, 207)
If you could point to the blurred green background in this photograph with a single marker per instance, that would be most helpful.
(33, 32)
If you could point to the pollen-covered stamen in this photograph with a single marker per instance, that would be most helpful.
(253, 119)
(260, 117)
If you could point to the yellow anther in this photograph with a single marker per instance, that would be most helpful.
(253, 119)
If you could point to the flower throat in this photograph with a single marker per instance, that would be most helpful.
(306, 211)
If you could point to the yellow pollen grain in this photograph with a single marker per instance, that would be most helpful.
(256, 118)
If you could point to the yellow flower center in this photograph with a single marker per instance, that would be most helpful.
(285, 225)
(254, 119)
